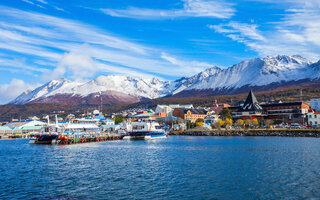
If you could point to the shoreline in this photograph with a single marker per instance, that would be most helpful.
(248, 133)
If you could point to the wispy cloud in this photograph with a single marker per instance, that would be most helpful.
(191, 8)
(296, 33)
(55, 47)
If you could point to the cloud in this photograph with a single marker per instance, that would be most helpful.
(191, 8)
(189, 67)
(12, 90)
(239, 31)
(61, 41)
(295, 33)
(80, 66)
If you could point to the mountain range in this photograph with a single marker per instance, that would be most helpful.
(261, 74)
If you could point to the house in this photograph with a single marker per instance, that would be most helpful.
(190, 114)
(167, 110)
(211, 119)
(217, 108)
(108, 122)
(314, 119)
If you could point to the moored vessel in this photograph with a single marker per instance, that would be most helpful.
(145, 130)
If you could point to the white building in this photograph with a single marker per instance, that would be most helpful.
(25, 123)
(315, 104)
(168, 109)
(314, 119)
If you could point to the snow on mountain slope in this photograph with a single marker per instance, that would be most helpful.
(253, 72)
(137, 87)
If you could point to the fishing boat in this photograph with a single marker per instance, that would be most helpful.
(58, 133)
(145, 130)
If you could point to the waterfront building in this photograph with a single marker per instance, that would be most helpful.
(275, 110)
(315, 104)
(25, 123)
(249, 110)
(287, 112)
(314, 119)
(190, 114)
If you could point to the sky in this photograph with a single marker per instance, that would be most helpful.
(41, 40)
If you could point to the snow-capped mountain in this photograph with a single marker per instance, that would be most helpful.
(257, 72)
(253, 72)
(117, 87)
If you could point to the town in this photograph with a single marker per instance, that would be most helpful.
(246, 114)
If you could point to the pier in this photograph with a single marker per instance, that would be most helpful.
(65, 141)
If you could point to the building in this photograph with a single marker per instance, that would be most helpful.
(249, 110)
(25, 123)
(275, 110)
(211, 119)
(167, 110)
(108, 122)
(314, 119)
(190, 114)
(217, 108)
(315, 104)
(287, 112)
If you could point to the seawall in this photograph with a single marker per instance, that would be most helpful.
(249, 132)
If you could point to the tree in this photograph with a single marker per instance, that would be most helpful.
(225, 113)
(228, 122)
(134, 120)
(219, 123)
(118, 119)
(103, 123)
(247, 122)
(239, 123)
(199, 124)
(255, 122)
(269, 122)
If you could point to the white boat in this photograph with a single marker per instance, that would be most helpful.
(55, 133)
(145, 130)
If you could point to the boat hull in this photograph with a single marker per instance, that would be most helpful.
(145, 136)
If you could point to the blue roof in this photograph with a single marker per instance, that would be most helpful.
(109, 126)
(99, 117)
(107, 120)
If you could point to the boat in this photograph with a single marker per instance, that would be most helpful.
(59, 133)
(145, 130)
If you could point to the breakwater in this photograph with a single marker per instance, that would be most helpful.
(249, 132)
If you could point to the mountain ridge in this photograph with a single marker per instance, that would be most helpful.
(271, 71)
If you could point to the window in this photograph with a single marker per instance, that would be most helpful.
(315, 116)
(315, 122)
(310, 116)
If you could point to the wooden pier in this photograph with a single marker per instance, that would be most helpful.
(66, 140)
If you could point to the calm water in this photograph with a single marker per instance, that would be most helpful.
(173, 168)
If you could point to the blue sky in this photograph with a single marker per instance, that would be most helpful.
(41, 40)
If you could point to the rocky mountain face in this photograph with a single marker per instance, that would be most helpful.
(258, 73)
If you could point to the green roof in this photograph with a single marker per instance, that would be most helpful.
(4, 128)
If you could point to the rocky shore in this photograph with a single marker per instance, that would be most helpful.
(278, 133)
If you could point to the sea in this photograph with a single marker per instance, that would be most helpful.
(178, 167)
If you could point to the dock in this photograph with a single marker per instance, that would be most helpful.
(109, 137)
